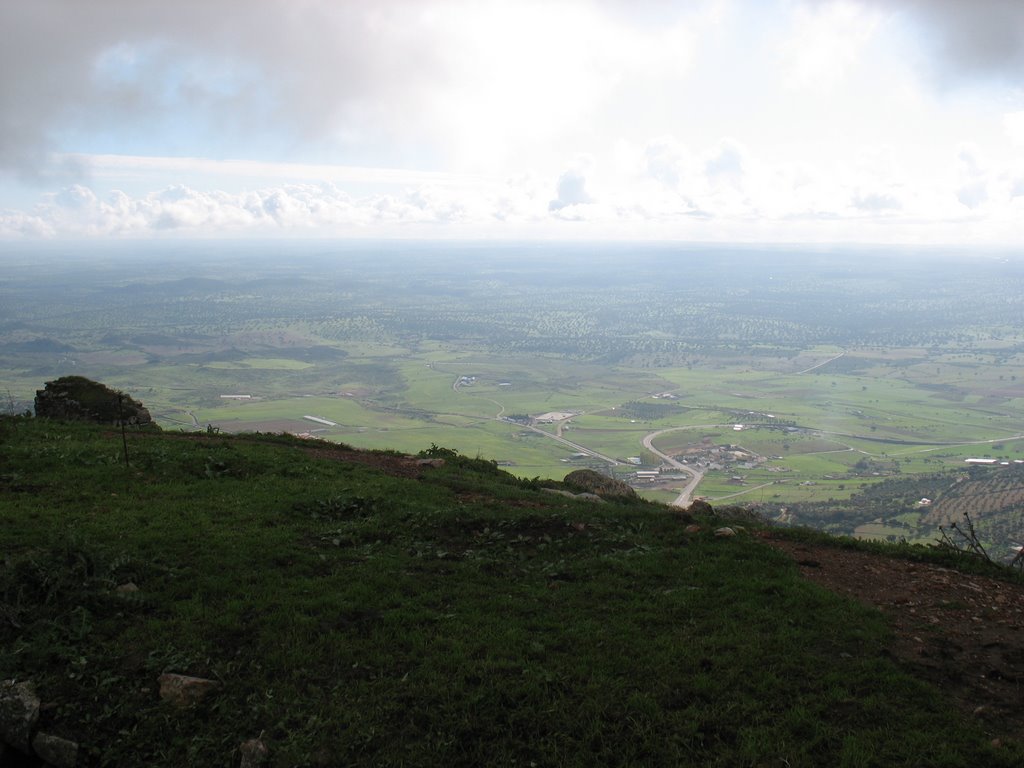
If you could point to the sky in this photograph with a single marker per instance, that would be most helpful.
(769, 121)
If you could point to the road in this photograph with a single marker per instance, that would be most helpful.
(579, 448)
(684, 498)
(808, 370)
(747, 490)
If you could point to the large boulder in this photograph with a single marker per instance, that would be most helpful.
(76, 398)
(19, 713)
(594, 482)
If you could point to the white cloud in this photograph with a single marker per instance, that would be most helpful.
(1013, 126)
(397, 82)
(702, 119)
(726, 190)
(826, 41)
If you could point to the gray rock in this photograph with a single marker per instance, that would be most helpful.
(700, 507)
(55, 751)
(593, 497)
(19, 713)
(724, 532)
(594, 482)
(254, 753)
(184, 690)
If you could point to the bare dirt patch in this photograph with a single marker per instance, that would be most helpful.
(963, 633)
(391, 464)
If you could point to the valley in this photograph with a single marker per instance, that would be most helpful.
(794, 382)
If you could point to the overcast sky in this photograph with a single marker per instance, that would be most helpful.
(727, 120)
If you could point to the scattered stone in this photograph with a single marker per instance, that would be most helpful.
(724, 532)
(254, 753)
(127, 588)
(184, 690)
(19, 713)
(55, 751)
(76, 398)
(429, 462)
(693, 528)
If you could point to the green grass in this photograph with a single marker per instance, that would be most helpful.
(464, 618)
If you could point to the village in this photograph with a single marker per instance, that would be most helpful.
(702, 458)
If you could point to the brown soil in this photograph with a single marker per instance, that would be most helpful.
(388, 463)
(963, 633)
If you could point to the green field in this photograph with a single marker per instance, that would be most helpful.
(839, 379)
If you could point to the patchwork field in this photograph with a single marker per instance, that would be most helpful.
(826, 387)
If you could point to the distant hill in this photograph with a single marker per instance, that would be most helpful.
(42, 345)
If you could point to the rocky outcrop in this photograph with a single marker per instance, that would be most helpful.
(700, 507)
(19, 713)
(254, 753)
(19, 718)
(594, 482)
(184, 690)
(76, 398)
(55, 751)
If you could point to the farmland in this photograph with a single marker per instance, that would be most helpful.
(829, 372)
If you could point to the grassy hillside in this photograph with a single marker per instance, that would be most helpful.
(362, 609)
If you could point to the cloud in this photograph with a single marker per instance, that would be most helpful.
(317, 73)
(968, 39)
(716, 192)
(826, 41)
(973, 176)
(726, 164)
(400, 83)
(571, 190)
(665, 160)
(1013, 127)
(876, 202)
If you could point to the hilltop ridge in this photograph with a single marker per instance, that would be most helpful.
(375, 608)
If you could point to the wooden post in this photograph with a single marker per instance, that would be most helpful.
(124, 438)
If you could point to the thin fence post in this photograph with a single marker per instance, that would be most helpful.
(124, 437)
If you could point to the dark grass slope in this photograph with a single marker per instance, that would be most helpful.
(356, 617)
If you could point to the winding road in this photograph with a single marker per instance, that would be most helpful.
(686, 495)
